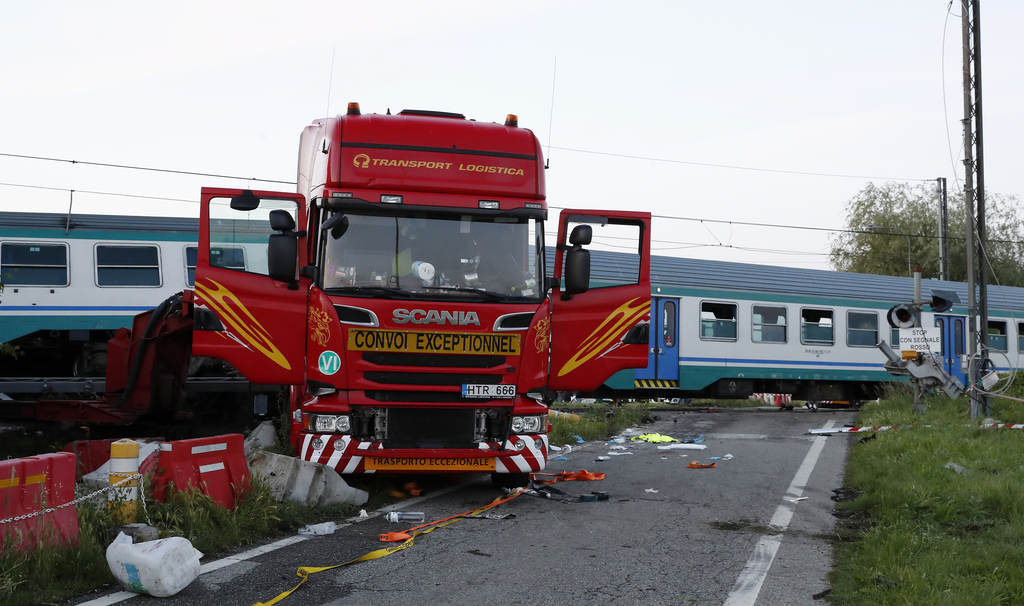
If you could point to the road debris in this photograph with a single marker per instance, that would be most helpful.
(696, 465)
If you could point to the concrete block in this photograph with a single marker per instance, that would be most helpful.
(297, 481)
(100, 478)
(263, 436)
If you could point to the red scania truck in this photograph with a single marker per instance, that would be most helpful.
(401, 295)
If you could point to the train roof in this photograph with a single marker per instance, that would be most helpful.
(684, 273)
(62, 221)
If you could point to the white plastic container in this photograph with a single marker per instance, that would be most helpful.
(160, 568)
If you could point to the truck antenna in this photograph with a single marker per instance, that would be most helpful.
(330, 84)
(551, 116)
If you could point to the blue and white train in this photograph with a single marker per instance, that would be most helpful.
(718, 329)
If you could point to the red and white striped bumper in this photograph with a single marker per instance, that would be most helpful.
(347, 455)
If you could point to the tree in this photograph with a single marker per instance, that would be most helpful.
(885, 221)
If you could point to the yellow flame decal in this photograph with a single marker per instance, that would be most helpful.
(237, 317)
(608, 333)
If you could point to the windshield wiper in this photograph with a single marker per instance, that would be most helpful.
(373, 291)
(490, 296)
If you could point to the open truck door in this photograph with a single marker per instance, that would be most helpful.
(599, 323)
(250, 300)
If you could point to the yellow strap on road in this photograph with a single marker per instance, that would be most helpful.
(304, 571)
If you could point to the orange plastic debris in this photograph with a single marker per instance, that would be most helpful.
(394, 537)
(696, 465)
(413, 489)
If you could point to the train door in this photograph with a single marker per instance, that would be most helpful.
(952, 344)
(244, 315)
(663, 346)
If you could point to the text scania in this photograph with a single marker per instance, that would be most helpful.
(433, 316)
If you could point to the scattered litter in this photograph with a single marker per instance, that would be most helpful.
(682, 447)
(664, 458)
(560, 459)
(654, 438)
(160, 568)
(651, 490)
(566, 449)
(629, 431)
(318, 529)
(616, 447)
(618, 440)
(619, 452)
(488, 516)
(602, 458)
(795, 499)
(579, 440)
(363, 515)
(696, 465)
(555, 448)
(687, 439)
(960, 469)
(727, 457)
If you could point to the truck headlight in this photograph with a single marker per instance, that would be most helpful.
(531, 424)
(329, 423)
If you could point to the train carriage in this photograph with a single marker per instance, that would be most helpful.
(718, 329)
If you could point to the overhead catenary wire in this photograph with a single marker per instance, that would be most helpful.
(144, 168)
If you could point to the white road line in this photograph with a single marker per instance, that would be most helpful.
(748, 584)
(121, 596)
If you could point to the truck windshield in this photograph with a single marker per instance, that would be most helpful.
(434, 255)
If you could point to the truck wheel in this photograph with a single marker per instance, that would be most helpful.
(510, 480)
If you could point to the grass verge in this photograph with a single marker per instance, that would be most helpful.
(53, 574)
(914, 531)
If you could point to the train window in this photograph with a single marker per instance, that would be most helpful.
(861, 329)
(220, 256)
(118, 265)
(718, 321)
(816, 327)
(33, 264)
(894, 337)
(997, 335)
(668, 324)
(768, 324)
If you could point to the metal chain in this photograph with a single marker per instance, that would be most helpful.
(114, 486)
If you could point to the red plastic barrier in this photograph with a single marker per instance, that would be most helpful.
(31, 485)
(215, 465)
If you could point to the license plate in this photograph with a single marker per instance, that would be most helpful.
(429, 464)
(488, 391)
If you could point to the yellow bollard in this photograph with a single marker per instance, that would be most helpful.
(124, 461)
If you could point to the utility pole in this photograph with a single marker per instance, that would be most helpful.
(974, 171)
(943, 229)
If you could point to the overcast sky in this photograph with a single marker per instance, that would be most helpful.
(652, 92)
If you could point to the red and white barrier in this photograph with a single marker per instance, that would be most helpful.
(28, 487)
(215, 465)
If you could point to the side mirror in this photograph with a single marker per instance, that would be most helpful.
(282, 247)
(337, 224)
(581, 235)
(245, 201)
(638, 335)
(577, 270)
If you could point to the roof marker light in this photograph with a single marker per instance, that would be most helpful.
(353, 109)
(491, 204)
(390, 199)
(512, 120)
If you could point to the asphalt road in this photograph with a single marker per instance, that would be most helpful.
(741, 533)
